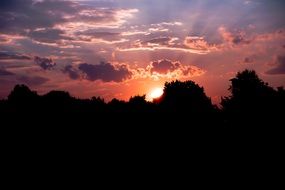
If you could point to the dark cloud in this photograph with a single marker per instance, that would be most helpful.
(240, 39)
(18, 16)
(248, 60)
(48, 35)
(72, 72)
(168, 68)
(44, 63)
(4, 72)
(164, 66)
(38, 19)
(32, 81)
(106, 72)
(14, 56)
(280, 67)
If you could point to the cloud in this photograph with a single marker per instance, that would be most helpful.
(17, 16)
(4, 72)
(242, 38)
(95, 25)
(33, 81)
(280, 67)
(44, 63)
(48, 35)
(106, 72)
(158, 41)
(92, 17)
(151, 29)
(101, 35)
(265, 37)
(51, 21)
(172, 69)
(164, 66)
(13, 56)
(9, 39)
(248, 60)
(135, 32)
(94, 36)
(234, 39)
(72, 72)
(168, 43)
(198, 43)
(156, 70)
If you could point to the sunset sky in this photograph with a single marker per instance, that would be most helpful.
(121, 48)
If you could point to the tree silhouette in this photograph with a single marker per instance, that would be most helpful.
(138, 100)
(184, 97)
(22, 94)
(253, 104)
(57, 101)
(22, 99)
(249, 93)
(138, 104)
(281, 97)
(117, 106)
(57, 96)
(252, 101)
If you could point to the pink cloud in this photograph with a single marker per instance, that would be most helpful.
(199, 43)
(172, 69)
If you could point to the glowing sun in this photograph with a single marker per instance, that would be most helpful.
(156, 93)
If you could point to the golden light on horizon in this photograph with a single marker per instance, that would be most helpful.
(155, 93)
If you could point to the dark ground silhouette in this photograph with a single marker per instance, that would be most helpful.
(252, 104)
(183, 124)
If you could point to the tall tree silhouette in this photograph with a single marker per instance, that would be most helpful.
(253, 104)
(249, 93)
(184, 97)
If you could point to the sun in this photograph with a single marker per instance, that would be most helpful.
(156, 93)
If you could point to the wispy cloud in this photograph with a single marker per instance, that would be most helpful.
(4, 55)
(279, 65)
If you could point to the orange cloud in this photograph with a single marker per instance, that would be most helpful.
(118, 72)
(168, 69)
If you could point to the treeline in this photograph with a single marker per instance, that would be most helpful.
(251, 99)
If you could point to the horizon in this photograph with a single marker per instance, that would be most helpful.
(122, 48)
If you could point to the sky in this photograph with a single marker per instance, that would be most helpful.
(122, 48)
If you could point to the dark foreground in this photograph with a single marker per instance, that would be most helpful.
(184, 111)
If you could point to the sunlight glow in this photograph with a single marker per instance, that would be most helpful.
(156, 93)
